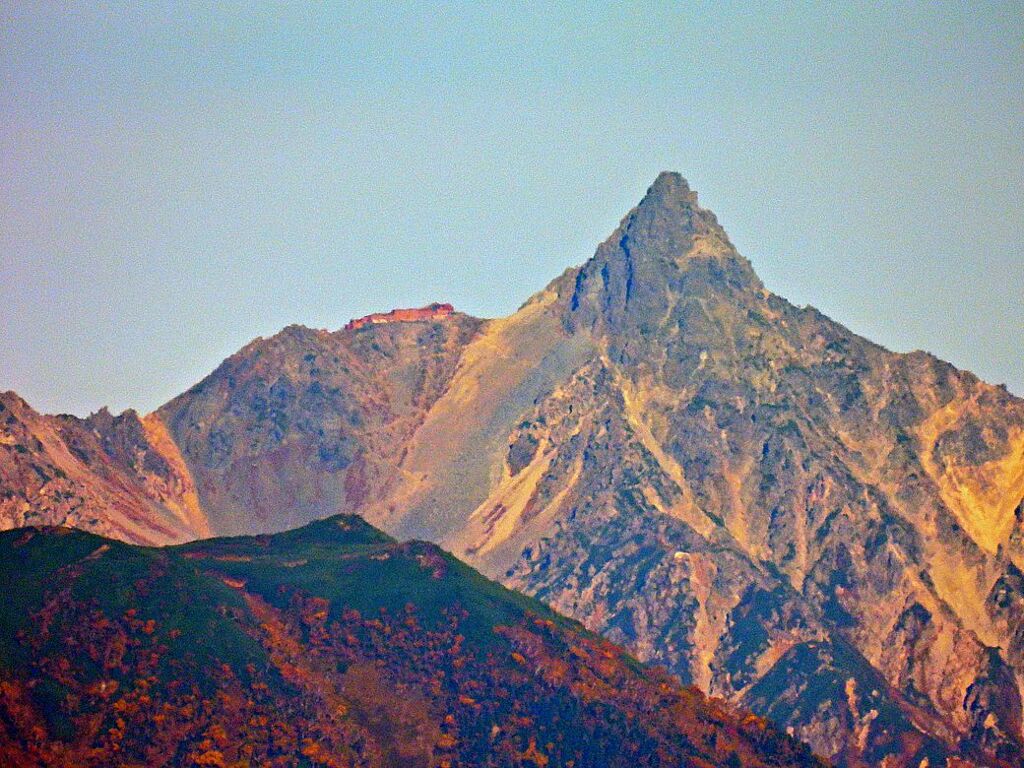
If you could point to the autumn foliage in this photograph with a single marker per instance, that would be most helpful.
(327, 646)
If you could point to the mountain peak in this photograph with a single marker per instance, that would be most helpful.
(669, 184)
(668, 220)
(666, 246)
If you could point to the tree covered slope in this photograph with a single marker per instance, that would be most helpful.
(329, 645)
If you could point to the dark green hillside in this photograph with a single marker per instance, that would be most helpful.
(330, 645)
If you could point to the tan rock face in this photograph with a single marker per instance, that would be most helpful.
(119, 476)
(309, 423)
(776, 509)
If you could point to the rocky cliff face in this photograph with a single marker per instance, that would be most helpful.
(780, 511)
(765, 501)
(119, 476)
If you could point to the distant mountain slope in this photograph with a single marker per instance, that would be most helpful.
(330, 645)
(120, 476)
(775, 508)
(309, 423)
(292, 428)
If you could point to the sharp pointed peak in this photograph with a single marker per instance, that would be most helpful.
(668, 221)
(670, 192)
(669, 183)
(667, 244)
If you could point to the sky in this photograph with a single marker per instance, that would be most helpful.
(178, 179)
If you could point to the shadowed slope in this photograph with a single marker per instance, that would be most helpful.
(309, 423)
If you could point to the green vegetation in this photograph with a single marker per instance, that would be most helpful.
(329, 645)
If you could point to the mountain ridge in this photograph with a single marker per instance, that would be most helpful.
(661, 447)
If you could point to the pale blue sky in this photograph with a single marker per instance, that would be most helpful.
(175, 182)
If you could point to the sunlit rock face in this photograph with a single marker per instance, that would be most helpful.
(120, 476)
(308, 423)
(778, 510)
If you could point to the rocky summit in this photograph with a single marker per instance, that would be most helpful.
(779, 511)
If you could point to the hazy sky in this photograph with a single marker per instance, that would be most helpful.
(174, 182)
